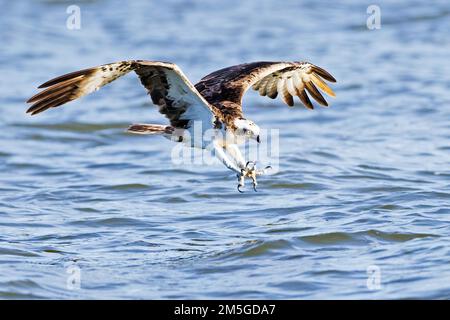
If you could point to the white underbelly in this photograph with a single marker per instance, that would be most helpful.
(205, 139)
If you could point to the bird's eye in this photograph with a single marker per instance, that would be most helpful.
(244, 130)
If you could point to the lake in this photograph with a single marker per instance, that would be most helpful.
(360, 206)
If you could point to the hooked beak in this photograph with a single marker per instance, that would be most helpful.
(257, 139)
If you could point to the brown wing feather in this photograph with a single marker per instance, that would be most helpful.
(230, 84)
(312, 90)
(76, 84)
(167, 85)
(305, 99)
(286, 79)
(296, 81)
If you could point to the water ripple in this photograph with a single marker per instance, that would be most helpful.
(362, 184)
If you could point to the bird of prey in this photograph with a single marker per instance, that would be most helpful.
(215, 101)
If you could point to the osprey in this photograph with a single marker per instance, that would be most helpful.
(215, 101)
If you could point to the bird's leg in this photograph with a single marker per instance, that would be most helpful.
(246, 170)
(241, 180)
(251, 173)
(236, 154)
(219, 152)
(238, 164)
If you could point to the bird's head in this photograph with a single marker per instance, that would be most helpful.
(247, 129)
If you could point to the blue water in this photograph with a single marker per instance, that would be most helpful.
(363, 185)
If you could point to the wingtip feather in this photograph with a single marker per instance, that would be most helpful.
(323, 73)
(66, 77)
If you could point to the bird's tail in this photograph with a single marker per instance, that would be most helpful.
(142, 128)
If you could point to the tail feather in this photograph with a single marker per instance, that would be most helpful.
(142, 128)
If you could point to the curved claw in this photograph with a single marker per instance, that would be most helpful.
(250, 171)
(252, 163)
(263, 171)
(241, 180)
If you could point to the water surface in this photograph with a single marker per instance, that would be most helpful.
(363, 184)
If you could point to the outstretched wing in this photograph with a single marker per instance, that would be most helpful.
(168, 87)
(287, 79)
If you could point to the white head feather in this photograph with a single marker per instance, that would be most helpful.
(246, 129)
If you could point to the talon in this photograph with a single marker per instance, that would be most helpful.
(241, 180)
(251, 167)
(253, 176)
(249, 171)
